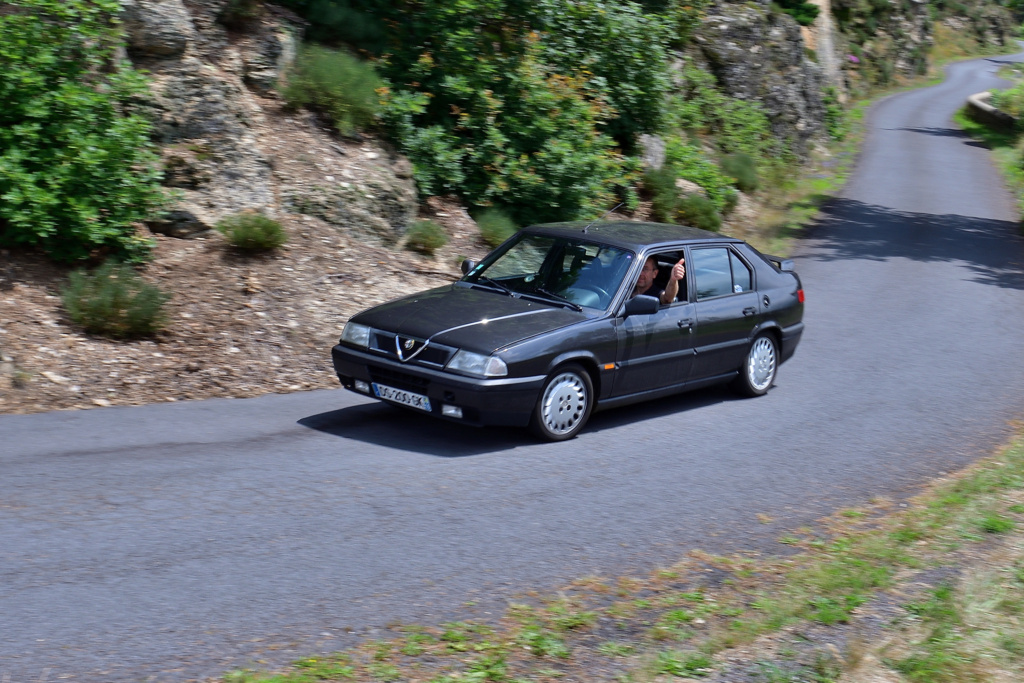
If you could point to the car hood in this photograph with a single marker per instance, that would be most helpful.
(476, 319)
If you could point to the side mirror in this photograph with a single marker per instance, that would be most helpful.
(468, 265)
(641, 305)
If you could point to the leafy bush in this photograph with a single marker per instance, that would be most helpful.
(737, 125)
(425, 237)
(77, 168)
(665, 197)
(690, 163)
(495, 226)
(114, 301)
(335, 83)
(239, 14)
(685, 17)
(742, 167)
(514, 104)
(670, 205)
(252, 231)
(534, 149)
(623, 52)
(835, 115)
(804, 12)
(699, 212)
(1010, 100)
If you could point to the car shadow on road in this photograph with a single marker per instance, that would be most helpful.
(392, 427)
(992, 250)
(633, 416)
(384, 425)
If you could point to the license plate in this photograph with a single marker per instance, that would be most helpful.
(406, 398)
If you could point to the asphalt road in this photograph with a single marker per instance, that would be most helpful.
(174, 541)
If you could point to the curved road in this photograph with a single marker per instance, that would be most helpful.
(169, 542)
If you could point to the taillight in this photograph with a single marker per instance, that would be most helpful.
(800, 295)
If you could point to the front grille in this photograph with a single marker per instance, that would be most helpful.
(434, 355)
(398, 380)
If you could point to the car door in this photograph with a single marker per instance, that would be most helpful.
(656, 350)
(726, 309)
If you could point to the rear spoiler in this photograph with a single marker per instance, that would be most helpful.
(784, 264)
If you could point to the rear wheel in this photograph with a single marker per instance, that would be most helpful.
(565, 403)
(758, 372)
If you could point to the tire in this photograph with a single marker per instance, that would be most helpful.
(758, 371)
(565, 403)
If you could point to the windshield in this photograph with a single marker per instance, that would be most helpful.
(567, 271)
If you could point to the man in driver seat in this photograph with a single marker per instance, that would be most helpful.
(645, 283)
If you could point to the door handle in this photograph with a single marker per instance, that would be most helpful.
(749, 310)
(685, 323)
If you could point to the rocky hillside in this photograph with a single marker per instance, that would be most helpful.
(212, 93)
(213, 85)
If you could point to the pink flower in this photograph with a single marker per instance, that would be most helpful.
(853, 59)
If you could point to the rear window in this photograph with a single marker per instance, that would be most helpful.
(718, 271)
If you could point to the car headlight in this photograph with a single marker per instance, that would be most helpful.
(356, 334)
(478, 364)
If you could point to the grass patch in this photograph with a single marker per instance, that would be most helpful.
(495, 226)
(425, 237)
(683, 664)
(114, 301)
(251, 231)
(336, 83)
(962, 629)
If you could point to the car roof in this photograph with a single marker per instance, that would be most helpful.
(632, 235)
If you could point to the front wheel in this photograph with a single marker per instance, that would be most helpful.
(565, 403)
(758, 372)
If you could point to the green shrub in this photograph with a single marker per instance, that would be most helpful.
(690, 163)
(660, 185)
(536, 149)
(239, 14)
(622, 49)
(523, 105)
(77, 168)
(1010, 100)
(835, 115)
(425, 237)
(252, 231)
(335, 83)
(730, 203)
(495, 226)
(804, 12)
(736, 125)
(743, 168)
(114, 301)
(699, 212)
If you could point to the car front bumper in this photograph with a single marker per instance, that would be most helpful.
(499, 401)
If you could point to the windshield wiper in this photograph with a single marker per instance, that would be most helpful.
(494, 283)
(560, 299)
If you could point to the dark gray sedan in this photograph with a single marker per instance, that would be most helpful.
(551, 325)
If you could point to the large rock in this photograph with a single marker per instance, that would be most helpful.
(210, 85)
(209, 124)
(759, 56)
(157, 28)
(377, 203)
